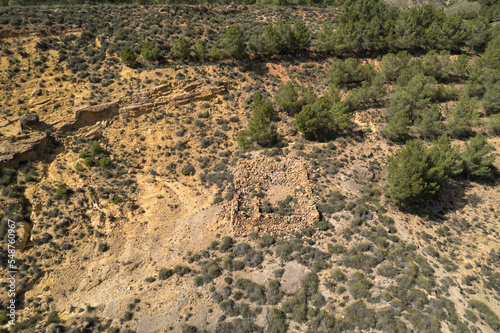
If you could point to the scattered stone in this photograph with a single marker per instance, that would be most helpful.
(36, 92)
(62, 222)
(94, 133)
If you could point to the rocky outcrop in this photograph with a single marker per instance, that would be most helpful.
(10, 127)
(29, 120)
(20, 148)
(89, 115)
(136, 110)
(183, 93)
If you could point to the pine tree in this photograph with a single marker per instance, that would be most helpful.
(491, 99)
(397, 127)
(464, 116)
(349, 71)
(341, 116)
(199, 50)
(461, 65)
(477, 33)
(215, 53)
(429, 123)
(287, 98)
(412, 95)
(475, 158)
(315, 120)
(232, 43)
(149, 51)
(436, 64)
(285, 37)
(407, 175)
(261, 129)
(128, 56)
(308, 96)
(494, 123)
(268, 41)
(392, 65)
(326, 38)
(417, 173)
(302, 37)
(181, 48)
(321, 120)
(445, 157)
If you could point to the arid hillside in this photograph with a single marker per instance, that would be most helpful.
(169, 188)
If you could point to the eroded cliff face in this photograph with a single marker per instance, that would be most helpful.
(153, 228)
(27, 147)
(177, 92)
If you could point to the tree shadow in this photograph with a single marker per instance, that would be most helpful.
(454, 197)
(258, 68)
(451, 199)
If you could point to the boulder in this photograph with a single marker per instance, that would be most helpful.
(29, 120)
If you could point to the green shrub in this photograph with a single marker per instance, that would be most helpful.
(277, 321)
(359, 315)
(189, 329)
(198, 280)
(486, 314)
(226, 244)
(448, 265)
(359, 286)
(89, 161)
(266, 241)
(338, 275)
(127, 56)
(106, 162)
(165, 273)
(181, 48)
(128, 316)
(253, 258)
(360, 261)
(3, 317)
(494, 123)
(273, 292)
(323, 225)
(210, 270)
(95, 149)
(336, 248)
(102, 247)
(62, 191)
(120, 34)
(53, 318)
(388, 270)
(188, 169)
(149, 51)
(181, 270)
